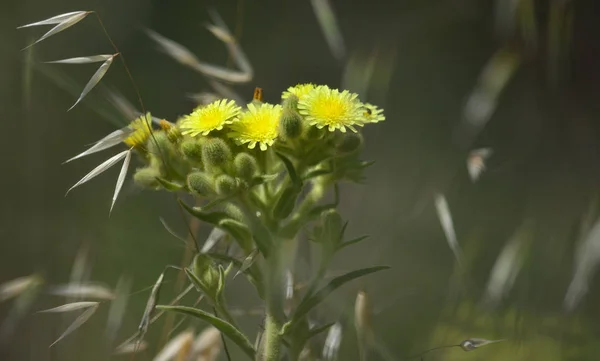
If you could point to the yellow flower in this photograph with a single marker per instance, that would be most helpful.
(372, 114)
(299, 90)
(213, 116)
(257, 125)
(325, 107)
(141, 128)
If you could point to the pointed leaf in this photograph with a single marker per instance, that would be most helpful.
(54, 20)
(168, 185)
(83, 290)
(63, 25)
(225, 327)
(71, 307)
(443, 211)
(77, 323)
(109, 141)
(317, 330)
(239, 232)
(289, 166)
(310, 301)
(247, 262)
(17, 286)
(150, 306)
(83, 59)
(121, 179)
(213, 218)
(100, 169)
(352, 241)
(94, 80)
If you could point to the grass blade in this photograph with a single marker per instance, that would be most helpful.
(17, 286)
(443, 211)
(79, 321)
(70, 307)
(94, 79)
(63, 25)
(330, 28)
(310, 301)
(83, 59)
(100, 169)
(175, 346)
(109, 141)
(121, 179)
(225, 327)
(215, 236)
(332, 342)
(150, 305)
(54, 20)
(83, 290)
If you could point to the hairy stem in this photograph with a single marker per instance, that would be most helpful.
(272, 338)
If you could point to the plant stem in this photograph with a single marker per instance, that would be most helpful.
(272, 338)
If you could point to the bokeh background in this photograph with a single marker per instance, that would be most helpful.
(518, 76)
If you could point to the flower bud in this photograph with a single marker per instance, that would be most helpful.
(349, 142)
(173, 132)
(234, 212)
(192, 149)
(246, 166)
(206, 276)
(291, 102)
(314, 133)
(225, 185)
(160, 144)
(290, 125)
(146, 177)
(215, 152)
(201, 184)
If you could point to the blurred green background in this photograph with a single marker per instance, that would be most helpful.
(426, 59)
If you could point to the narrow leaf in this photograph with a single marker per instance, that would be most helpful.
(443, 211)
(70, 307)
(168, 185)
(213, 218)
(55, 19)
(289, 166)
(94, 80)
(225, 327)
(83, 290)
(353, 241)
(240, 233)
(109, 141)
(77, 323)
(475, 343)
(100, 169)
(329, 27)
(310, 301)
(150, 305)
(17, 286)
(63, 25)
(318, 330)
(174, 346)
(83, 59)
(247, 262)
(121, 179)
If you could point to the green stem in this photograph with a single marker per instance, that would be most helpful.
(272, 338)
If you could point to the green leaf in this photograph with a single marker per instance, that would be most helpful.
(213, 218)
(352, 241)
(168, 185)
(316, 173)
(286, 202)
(310, 301)
(289, 166)
(225, 327)
(239, 232)
(317, 330)
(253, 273)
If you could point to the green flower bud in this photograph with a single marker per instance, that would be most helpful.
(291, 102)
(206, 276)
(192, 149)
(235, 212)
(160, 143)
(331, 231)
(290, 124)
(349, 143)
(215, 152)
(201, 184)
(146, 177)
(225, 185)
(246, 166)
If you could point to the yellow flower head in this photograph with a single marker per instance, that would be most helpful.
(213, 116)
(372, 114)
(257, 125)
(299, 90)
(325, 107)
(140, 131)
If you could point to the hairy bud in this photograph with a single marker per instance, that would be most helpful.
(215, 152)
(146, 177)
(201, 184)
(246, 166)
(349, 143)
(192, 149)
(290, 124)
(225, 185)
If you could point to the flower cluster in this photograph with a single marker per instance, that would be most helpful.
(221, 149)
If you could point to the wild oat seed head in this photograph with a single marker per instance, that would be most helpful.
(299, 90)
(258, 125)
(326, 107)
(372, 114)
(141, 130)
(213, 116)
